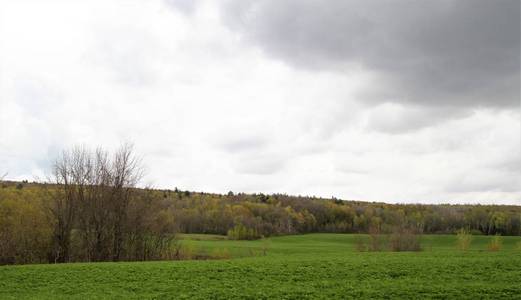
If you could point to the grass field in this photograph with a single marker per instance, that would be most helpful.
(295, 267)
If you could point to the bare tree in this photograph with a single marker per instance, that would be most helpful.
(92, 215)
(127, 171)
(64, 203)
(94, 191)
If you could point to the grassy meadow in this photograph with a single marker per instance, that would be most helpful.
(289, 267)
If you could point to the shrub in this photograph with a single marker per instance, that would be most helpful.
(375, 239)
(374, 242)
(187, 252)
(464, 239)
(404, 239)
(495, 244)
(360, 244)
(266, 245)
(220, 253)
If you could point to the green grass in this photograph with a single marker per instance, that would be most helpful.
(201, 237)
(296, 267)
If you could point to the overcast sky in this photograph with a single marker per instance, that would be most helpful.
(396, 101)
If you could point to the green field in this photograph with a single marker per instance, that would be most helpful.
(295, 267)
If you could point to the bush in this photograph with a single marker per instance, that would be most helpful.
(401, 239)
(404, 239)
(266, 245)
(220, 254)
(375, 240)
(464, 239)
(360, 243)
(187, 252)
(495, 244)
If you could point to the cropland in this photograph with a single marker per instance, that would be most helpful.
(311, 266)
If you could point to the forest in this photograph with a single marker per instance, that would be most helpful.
(92, 209)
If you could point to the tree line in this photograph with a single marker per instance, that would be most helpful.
(92, 210)
(282, 214)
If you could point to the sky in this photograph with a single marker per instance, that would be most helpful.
(397, 101)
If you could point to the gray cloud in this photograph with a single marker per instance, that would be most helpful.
(259, 164)
(484, 184)
(510, 163)
(185, 6)
(397, 119)
(457, 53)
(251, 143)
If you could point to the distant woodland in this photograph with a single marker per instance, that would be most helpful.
(91, 210)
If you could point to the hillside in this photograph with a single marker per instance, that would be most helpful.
(107, 223)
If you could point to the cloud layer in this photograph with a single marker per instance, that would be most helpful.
(431, 53)
(401, 101)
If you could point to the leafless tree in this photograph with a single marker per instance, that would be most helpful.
(93, 211)
(64, 204)
(127, 171)
(94, 192)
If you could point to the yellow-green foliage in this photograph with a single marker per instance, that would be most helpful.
(188, 251)
(25, 227)
(220, 253)
(153, 216)
(241, 232)
(464, 239)
(496, 243)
